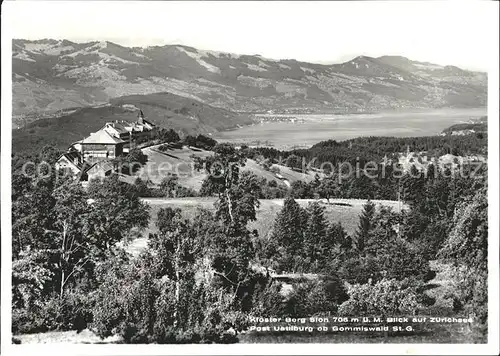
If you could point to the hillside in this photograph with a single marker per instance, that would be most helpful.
(50, 75)
(180, 161)
(473, 126)
(164, 109)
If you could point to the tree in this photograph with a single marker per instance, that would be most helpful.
(315, 297)
(301, 190)
(337, 236)
(50, 154)
(32, 215)
(142, 188)
(142, 307)
(328, 188)
(201, 141)
(316, 246)
(168, 135)
(288, 236)
(413, 185)
(172, 292)
(223, 170)
(177, 248)
(384, 254)
(266, 164)
(467, 242)
(361, 187)
(295, 162)
(32, 282)
(467, 248)
(379, 229)
(132, 162)
(74, 248)
(246, 193)
(60, 233)
(366, 223)
(115, 208)
(169, 185)
(314, 185)
(231, 244)
(205, 142)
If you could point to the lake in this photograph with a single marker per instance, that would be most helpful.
(323, 127)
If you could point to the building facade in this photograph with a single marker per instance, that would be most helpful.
(94, 153)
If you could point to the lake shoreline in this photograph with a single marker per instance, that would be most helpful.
(314, 128)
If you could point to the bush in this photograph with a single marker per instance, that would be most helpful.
(201, 141)
(132, 162)
(71, 312)
(466, 247)
(272, 190)
(136, 155)
(164, 148)
(317, 297)
(274, 170)
(142, 188)
(169, 187)
(386, 297)
(268, 300)
(168, 135)
(470, 293)
(141, 308)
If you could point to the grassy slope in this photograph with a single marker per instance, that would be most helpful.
(175, 161)
(347, 213)
(179, 161)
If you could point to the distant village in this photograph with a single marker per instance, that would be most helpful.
(93, 156)
(278, 118)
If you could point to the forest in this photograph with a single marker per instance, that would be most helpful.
(376, 148)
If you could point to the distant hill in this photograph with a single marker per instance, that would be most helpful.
(50, 75)
(164, 109)
(474, 126)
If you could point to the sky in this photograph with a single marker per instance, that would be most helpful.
(450, 32)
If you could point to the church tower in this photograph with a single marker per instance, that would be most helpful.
(140, 117)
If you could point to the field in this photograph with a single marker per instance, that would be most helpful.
(318, 128)
(175, 161)
(179, 161)
(345, 211)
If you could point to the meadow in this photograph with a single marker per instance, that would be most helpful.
(345, 211)
(179, 161)
(316, 128)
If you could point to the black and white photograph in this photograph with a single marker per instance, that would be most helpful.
(254, 177)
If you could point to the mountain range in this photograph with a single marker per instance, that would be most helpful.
(55, 77)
